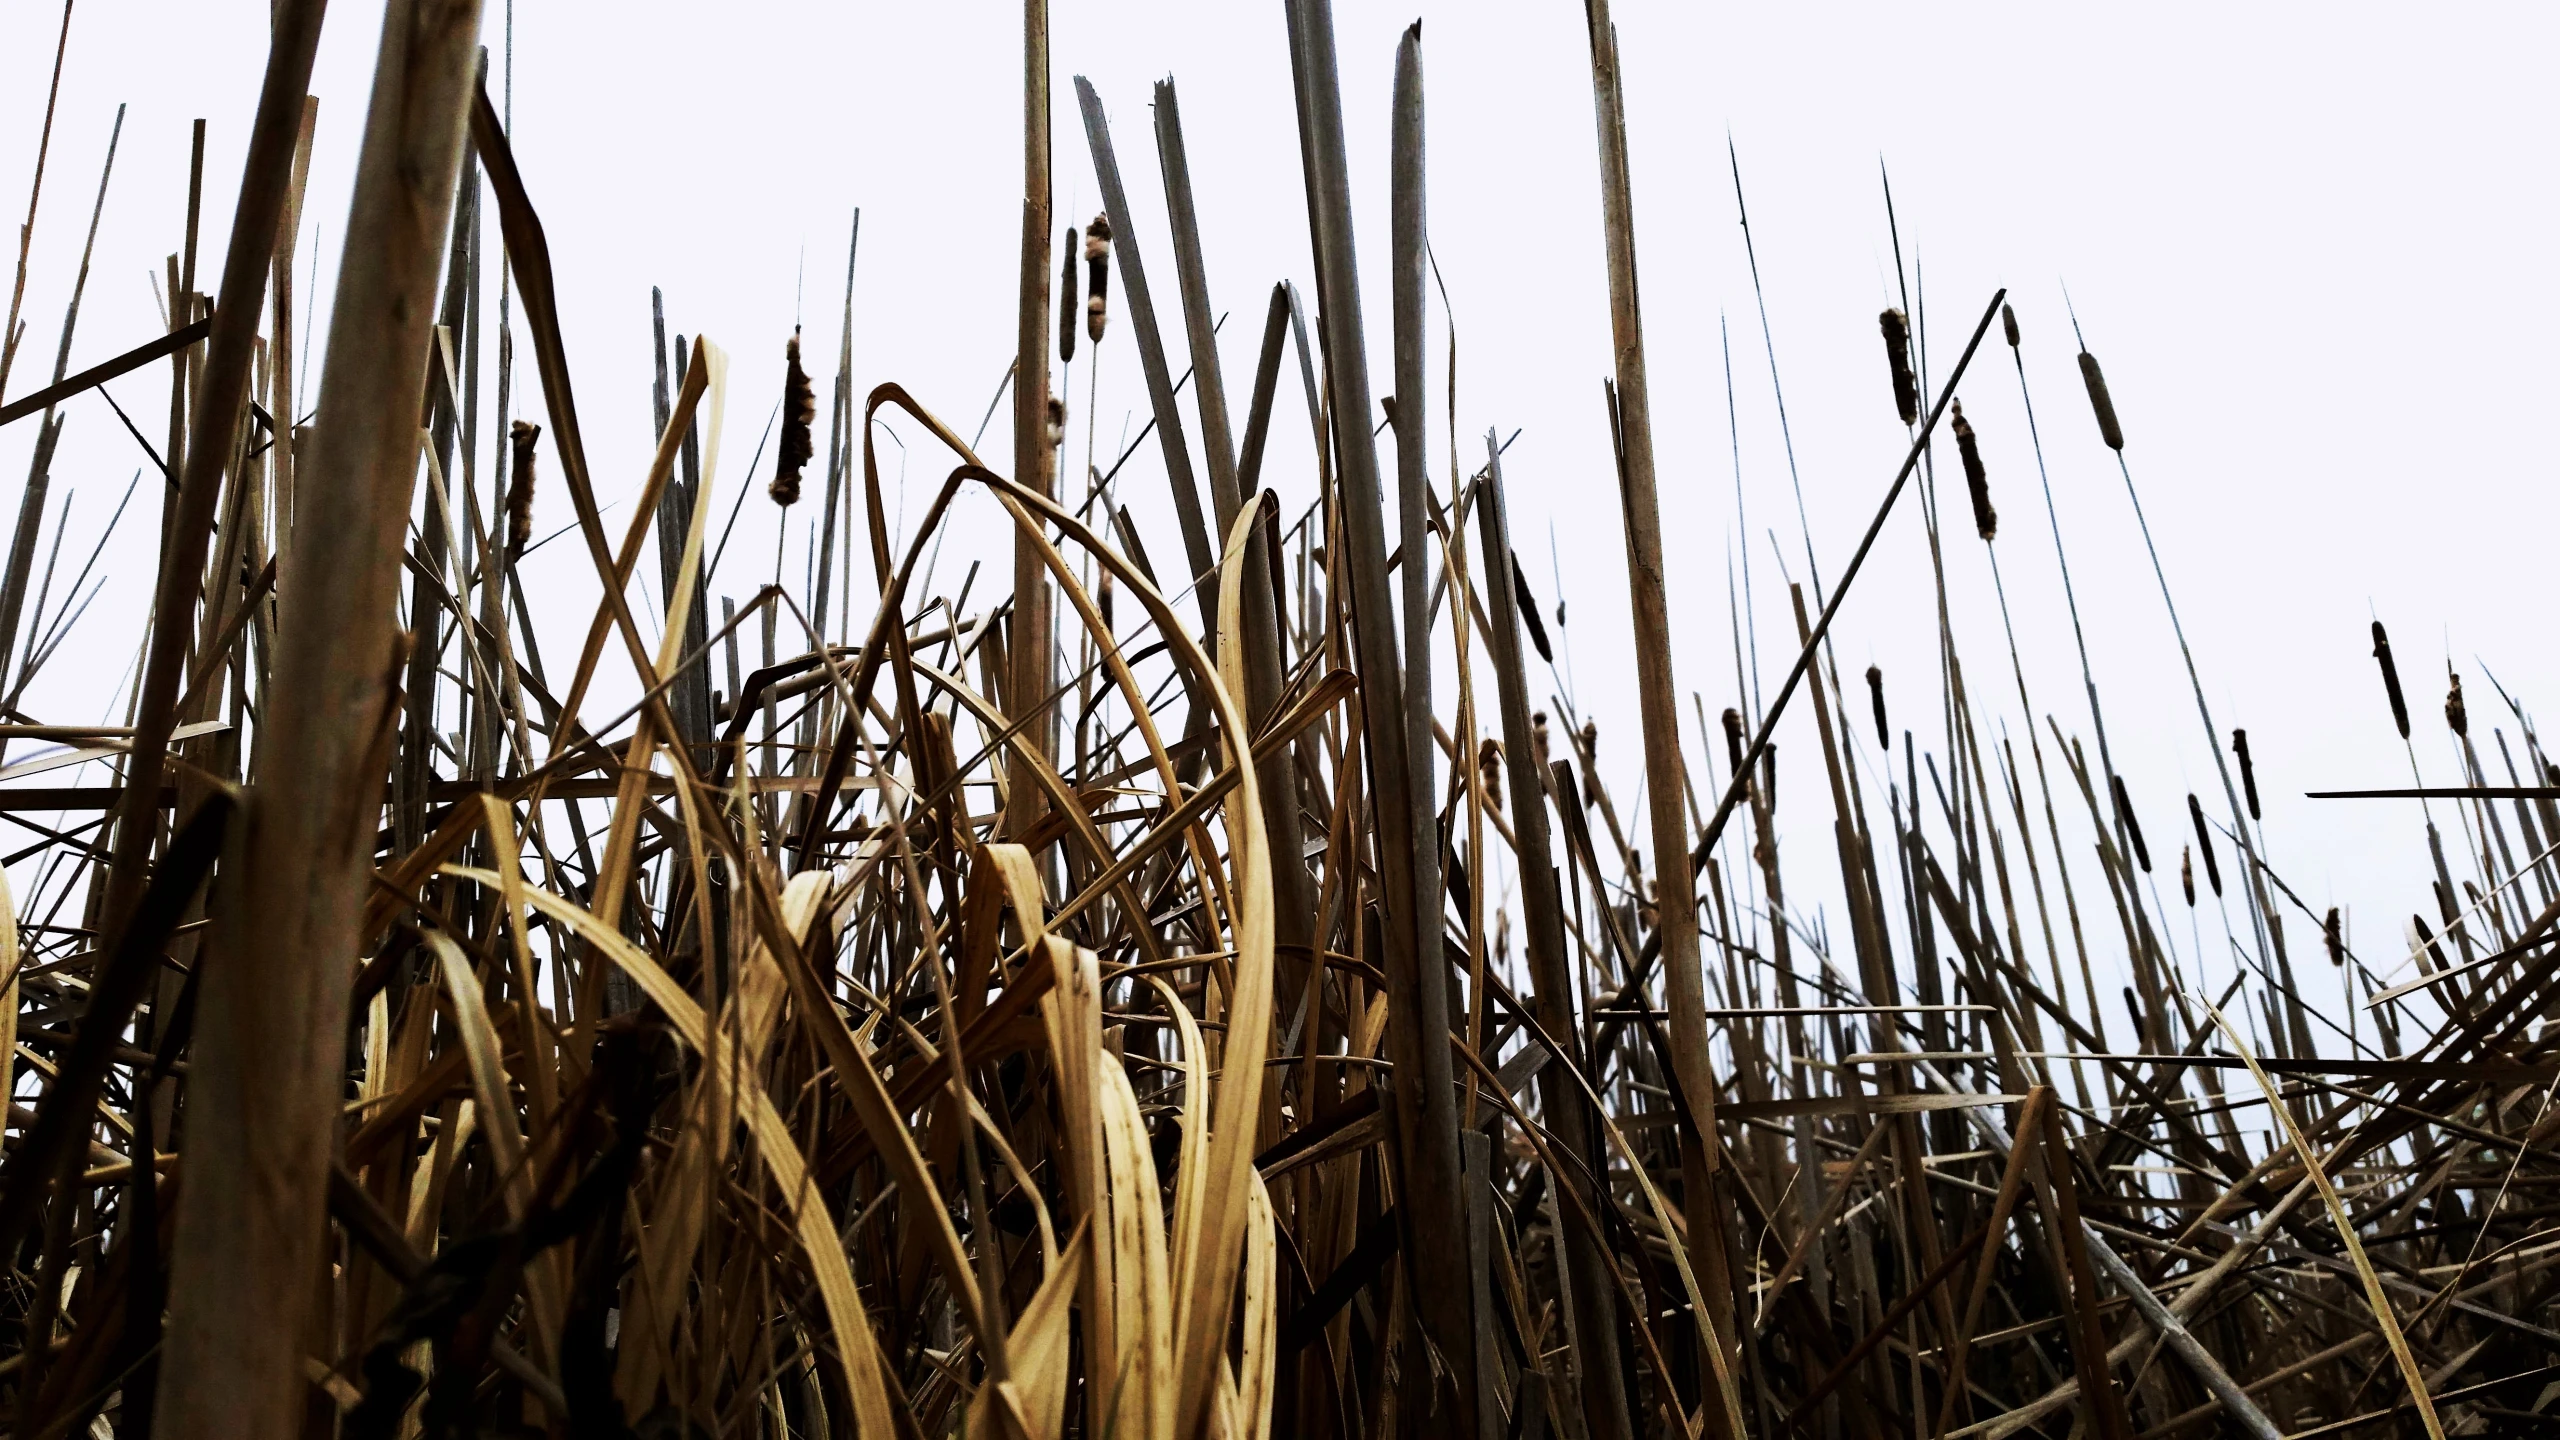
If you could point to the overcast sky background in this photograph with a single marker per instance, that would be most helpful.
(2309, 243)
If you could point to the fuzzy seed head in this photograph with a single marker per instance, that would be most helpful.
(520, 441)
(799, 412)
(1897, 355)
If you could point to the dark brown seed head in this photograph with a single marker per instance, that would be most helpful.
(2132, 826)
(2187, 874)
(1897, 354)
(2248, 772)
(1097, 277)
(1986, 521)
(2100, 403)
(1067, 305)
(520, 440)
(1875, 692)
(1733, 740)
(2334, 931)
(1590, 742)
(2009, 324)
(1489, 763)
(2204, 842)
(2390, 679)
(2454, 715)
(799, 412)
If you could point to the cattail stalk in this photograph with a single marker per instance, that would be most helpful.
(1897, 356)
(2390, 679)
(799, 412)
(2100, 403)
(1977, 484)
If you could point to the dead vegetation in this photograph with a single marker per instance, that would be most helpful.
(1139, 1006)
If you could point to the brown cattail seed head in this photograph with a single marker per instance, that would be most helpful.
(2334, 931)
(1986, 521)
(1590, 742)
(2204, 842)
(2454, 715)
(2132, 826)
(2248, 772)
(2390, 679)
(1067, 306)
(520, 439)
(1097, 277)
(2009, 324)
(1875, 692)
(799, 411)
(1733, 740)
(2187, 874)
(2099, 401)
(1102, 599)
(1897, 354)
(1489, 764)
(1057, 426)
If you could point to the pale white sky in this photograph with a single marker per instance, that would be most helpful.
(2307, 242)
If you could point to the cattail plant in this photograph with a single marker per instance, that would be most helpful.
(1056, 425)
(2187, 873)
(1538, 740)
(2204, 842)
(520, 442)
(1897, 355)
(1097, 273)
(1489, 767)
(2100, 403)
(1986, 521)
(2333, 930)
(2132, 824)
(2248, 772)
(799, 412)
(1875, 697)
(2009, 324)
(1733, 739)
(1067, 299)
(2456, 718)
(2390, 679)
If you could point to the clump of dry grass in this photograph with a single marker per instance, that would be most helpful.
(956, 1029)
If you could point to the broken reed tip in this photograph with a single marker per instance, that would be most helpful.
(2102, 404)
(2248, 772)
(1097, 282)
(1875, 692)
(1977, 483)
(1897, 355)
(2390, 679)
(1067, 305)
(2456, 717)
(520, 441)
(799, 411)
